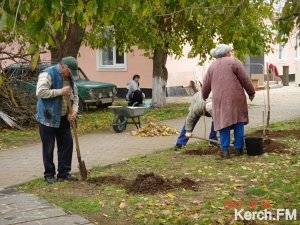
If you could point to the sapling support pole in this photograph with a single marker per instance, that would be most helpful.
(268, 96)
(264, 127)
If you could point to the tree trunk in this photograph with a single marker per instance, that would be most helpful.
(70, 45)
(160, 77)
(73, 40)
(55, 55)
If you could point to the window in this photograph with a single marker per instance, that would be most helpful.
(281, 52)
(297, 47)
(110, 59)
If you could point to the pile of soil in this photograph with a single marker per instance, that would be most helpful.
(277, 133)
(152, 183)
(149, 183)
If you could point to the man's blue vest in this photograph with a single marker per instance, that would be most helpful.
(49, 109)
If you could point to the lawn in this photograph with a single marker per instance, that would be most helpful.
(91, 121)
(188, 187)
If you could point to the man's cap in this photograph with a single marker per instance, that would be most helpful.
(71, 63)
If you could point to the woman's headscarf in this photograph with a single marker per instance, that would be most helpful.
(220, 50)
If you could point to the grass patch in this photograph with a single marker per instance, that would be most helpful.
(286, 125)
(91, 121)
(254, 181)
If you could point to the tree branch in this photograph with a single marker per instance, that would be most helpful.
(14, 27)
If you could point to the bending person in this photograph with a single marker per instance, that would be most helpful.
(196, 110)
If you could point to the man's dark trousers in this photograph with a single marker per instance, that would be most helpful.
(64, 142)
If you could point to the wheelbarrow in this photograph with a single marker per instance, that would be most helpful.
(122, 114)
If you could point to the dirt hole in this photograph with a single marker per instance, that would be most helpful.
(277, 133)
(270, 146)
(149, 183)
(206, 151)
(118, 180)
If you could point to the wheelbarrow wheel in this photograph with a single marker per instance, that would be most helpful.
(120, 122)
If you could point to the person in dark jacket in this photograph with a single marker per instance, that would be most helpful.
(134, 94)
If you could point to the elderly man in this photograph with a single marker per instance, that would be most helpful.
(227, 79)
(54, 85)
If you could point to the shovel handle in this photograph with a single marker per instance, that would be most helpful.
(210, 140)
(73, 125)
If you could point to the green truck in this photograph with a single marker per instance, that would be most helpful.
(91, 93)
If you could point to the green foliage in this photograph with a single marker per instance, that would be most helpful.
(159, 24)
(163, 27)
(242, 23)
(289, 20)
(44, 23)
(168, 25)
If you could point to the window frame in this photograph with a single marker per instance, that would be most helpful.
(114, 66)
(283, 51)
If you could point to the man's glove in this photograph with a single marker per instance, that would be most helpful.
(251, 97)
(188, 134)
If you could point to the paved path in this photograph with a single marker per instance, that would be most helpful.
(27, 209)
(99, 149)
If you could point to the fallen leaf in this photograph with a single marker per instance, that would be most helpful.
(225, 192)
(170, 195)
(221, 221)
(122, 205)
(194, 216)
(166, 212)
(138, 215)
(197, 201)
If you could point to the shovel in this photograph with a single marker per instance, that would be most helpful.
(81, 164)
(210, 140)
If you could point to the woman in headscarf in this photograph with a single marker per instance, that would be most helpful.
(227, 79)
